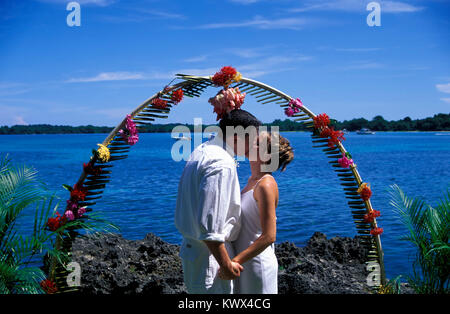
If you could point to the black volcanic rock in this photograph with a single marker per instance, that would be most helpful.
(323, 266)
(112, 264)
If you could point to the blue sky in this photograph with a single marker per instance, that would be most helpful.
(124, 51)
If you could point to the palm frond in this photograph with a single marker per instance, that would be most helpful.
(428, 229)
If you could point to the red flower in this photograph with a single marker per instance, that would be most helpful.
(376, 231)
(225, 76)
(335, 137)
(371, 216)
(53, 223)
(365, 193)
(159, 103)
(326, 132)
(321, 121)
(78, 193)
(90, 169)
(48, 286)
(177, 96)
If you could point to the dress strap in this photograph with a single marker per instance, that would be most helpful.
(267, 174)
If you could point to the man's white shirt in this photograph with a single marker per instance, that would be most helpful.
(209, 201)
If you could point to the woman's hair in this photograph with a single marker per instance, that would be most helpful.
(238, 117)
(282, 148)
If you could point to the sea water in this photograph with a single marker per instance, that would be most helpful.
(141, 196)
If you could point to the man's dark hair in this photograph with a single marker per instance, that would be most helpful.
(238, 117)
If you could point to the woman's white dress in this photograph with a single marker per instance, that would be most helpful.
(260, 274)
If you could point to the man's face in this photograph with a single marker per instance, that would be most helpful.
(242, 140)
(241, 144)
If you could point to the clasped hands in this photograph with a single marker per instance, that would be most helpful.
(230, 271)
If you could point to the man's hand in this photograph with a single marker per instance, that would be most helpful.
(231, 271)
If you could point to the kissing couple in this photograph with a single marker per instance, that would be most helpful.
(229, 234)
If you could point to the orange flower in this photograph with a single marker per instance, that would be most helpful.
(159, 103)
(226, 76)
(376, 231)
(177, 96)
(371, 216)
(364, 191)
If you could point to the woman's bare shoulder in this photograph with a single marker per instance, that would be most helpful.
(267, 186)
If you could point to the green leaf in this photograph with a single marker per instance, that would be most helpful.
(67, 187)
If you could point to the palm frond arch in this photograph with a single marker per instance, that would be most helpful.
(194, 86)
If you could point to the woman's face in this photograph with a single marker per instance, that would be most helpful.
(259, 147)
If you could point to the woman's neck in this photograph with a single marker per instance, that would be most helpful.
(255, 168)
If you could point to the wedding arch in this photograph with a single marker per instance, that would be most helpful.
(96, 174)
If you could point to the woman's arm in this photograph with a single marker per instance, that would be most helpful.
(266, 196)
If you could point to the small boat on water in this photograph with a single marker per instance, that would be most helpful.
(212, 135)
(182, 137)
(345, 131)
(365, 131)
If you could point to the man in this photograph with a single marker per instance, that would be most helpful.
(208, 208)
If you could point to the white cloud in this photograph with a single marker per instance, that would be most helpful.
(447, 100)
(109, 76)
(11, 88)
(361, 65)
(18, 120)
(293, 23)
(245, 2)
(356, 6)
(100, 3)
(357, 49)
(398, 7)
(196, 59)
(246, 52)
(273, 64)
(161, 14)
(444, 88)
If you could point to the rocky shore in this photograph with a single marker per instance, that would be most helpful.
(112, 264)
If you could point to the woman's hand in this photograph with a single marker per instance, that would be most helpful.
(232, 271)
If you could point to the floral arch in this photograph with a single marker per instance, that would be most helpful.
(95, 176)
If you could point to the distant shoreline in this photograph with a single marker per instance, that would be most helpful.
(438, 123)
(106, 133)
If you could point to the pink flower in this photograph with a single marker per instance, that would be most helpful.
(81, 211)
(295, 103)
(130, 133)
(293, 107)
(345, 162)
(227, 100)
(72, 205)
(69, 215)
(289, 111)
(133, 139)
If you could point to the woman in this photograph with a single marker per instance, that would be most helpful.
(259, 199)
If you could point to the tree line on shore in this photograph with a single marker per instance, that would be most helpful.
(439, 122)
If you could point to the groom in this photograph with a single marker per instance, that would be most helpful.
(209, 207)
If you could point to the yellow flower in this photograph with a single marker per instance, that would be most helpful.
(362, 187)
(237, 77)
(103, 153)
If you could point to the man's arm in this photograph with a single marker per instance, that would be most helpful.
(230, 270)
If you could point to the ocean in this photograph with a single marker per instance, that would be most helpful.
(141, 196)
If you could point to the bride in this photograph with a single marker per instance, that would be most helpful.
(259, 199)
